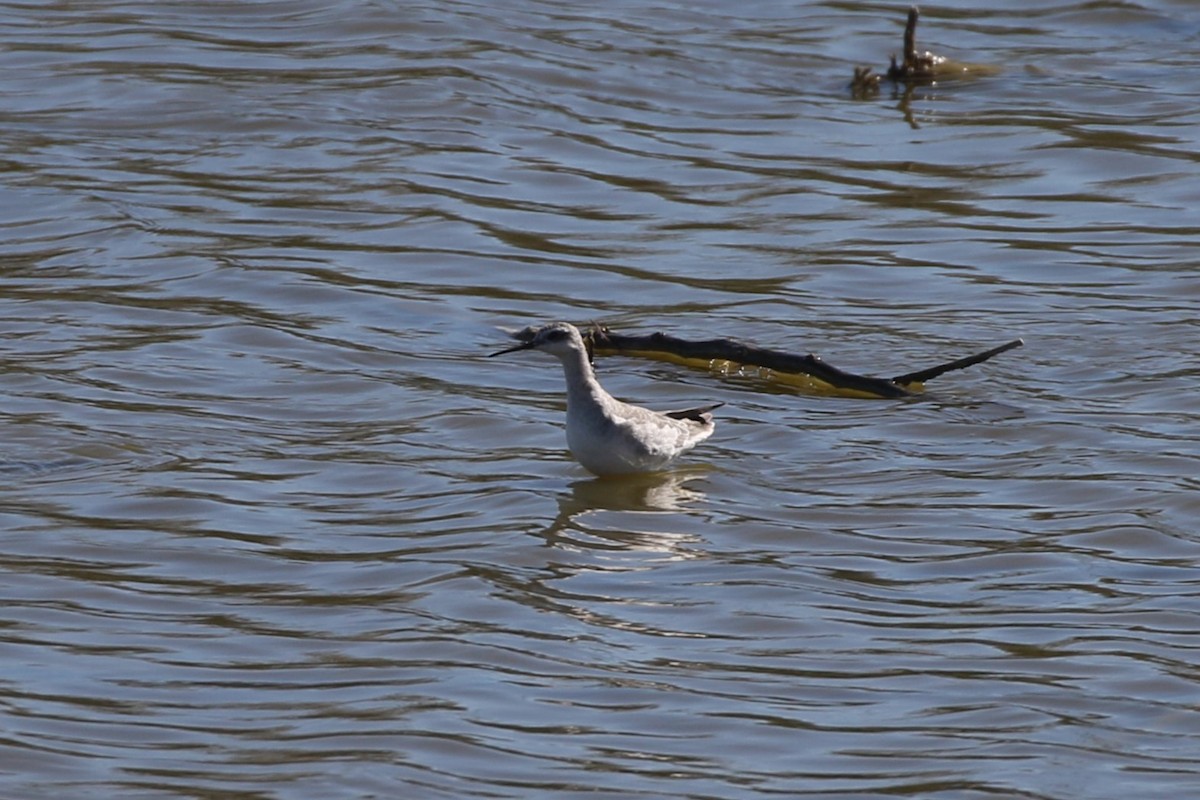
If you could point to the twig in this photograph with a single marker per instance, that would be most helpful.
(916, 66)
(929, 374)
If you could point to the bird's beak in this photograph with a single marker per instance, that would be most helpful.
(513, 349)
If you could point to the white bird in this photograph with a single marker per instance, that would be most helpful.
(607, 436)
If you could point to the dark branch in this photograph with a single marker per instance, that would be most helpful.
(929, 374)
(916, 67)
(663, 346)
(730, 350)
(910, 35)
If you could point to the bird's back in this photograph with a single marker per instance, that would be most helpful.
(616, 437)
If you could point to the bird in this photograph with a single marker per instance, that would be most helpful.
(608, 436)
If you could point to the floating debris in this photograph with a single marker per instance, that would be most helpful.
(808, 372)
(916, 68)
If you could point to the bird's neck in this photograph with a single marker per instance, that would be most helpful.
(582, 386)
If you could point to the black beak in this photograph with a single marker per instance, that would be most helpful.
(513, 349)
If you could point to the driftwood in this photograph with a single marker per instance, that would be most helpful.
(819, 377)
(660, 345)
(920, 376)
(915, 68)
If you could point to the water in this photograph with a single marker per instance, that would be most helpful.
(272, 526)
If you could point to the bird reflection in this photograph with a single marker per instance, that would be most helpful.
(633, 512)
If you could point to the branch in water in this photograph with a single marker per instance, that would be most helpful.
(660, 345)
(962, 363)
(916, 66)
(738, 353)
(820, 377)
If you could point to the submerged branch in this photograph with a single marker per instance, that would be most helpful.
(915, 68)
(808, 372)
(731, 353)
(728, 350)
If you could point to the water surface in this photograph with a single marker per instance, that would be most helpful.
(272, 526)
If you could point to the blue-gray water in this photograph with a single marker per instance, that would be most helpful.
(272, 526)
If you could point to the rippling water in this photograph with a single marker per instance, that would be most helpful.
(271, 526)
